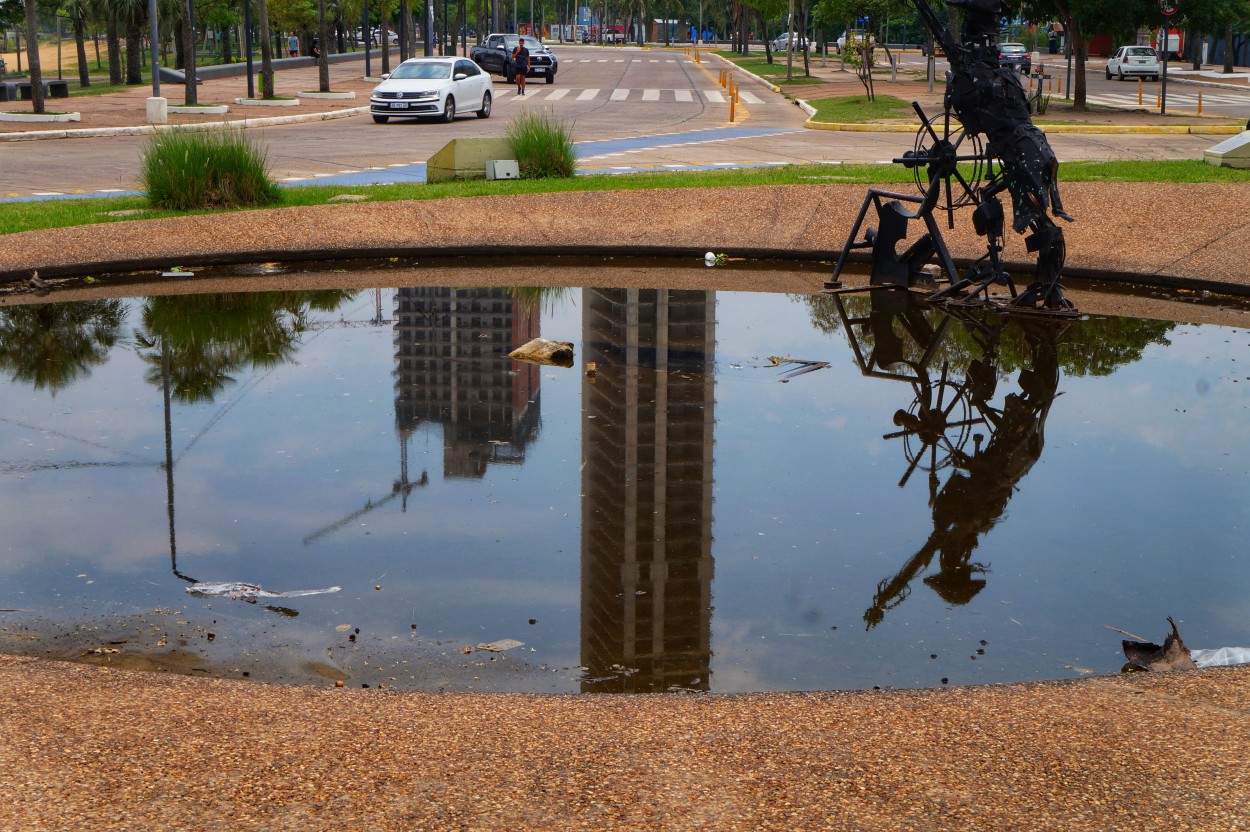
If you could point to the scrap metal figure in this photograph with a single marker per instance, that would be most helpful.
(987, 100)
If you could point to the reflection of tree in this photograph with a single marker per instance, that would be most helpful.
(52, 345)
(196, 342)
(1091, 347)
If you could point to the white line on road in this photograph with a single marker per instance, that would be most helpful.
(587, 95)
(556, 95)
(650, 95)
(619, 95)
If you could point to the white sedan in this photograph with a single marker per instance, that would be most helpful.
(1141, 61)
(432, 87)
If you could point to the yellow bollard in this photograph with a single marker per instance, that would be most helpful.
(732, 101)
(1199, 102)
(1050, 84)
(1059, 90)
(1139, 92)
(1159, 101)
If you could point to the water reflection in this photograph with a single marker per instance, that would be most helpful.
(647, 424)
(451, 351)
(51, 346)
(965, 415)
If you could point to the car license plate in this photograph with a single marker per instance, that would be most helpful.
(399, 105)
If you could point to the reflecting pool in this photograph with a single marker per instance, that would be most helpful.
(727, 492)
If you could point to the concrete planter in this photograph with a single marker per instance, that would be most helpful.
(208, 110)
(39, 117)
(265, 102)
(325, 95)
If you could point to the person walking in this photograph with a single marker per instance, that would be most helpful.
(520, 64)
(292, 43)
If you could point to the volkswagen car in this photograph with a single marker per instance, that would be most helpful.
(1141, 61)
(432, 88)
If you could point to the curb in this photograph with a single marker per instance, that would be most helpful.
(1097, 129)
(757, 79)
(141, 130)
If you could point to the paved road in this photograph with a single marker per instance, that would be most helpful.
(632, 109)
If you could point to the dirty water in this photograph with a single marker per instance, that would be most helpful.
(727, 492)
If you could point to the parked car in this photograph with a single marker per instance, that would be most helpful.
(1141, 61)
(782, 43)
(1016, 56)
(855, 37)
(432, 87)
(495, 56)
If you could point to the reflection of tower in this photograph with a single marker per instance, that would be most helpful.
(647, 489)
(451, 348)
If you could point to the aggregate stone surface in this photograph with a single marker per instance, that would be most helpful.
(102, 749)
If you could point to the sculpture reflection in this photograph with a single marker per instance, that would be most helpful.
(954, 423)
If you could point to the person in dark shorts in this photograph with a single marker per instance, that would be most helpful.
(520, 65)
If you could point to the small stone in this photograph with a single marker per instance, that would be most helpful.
(377, 586)
(339, 683)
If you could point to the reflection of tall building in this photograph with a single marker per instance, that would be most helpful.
(451, 348)
(647, 489)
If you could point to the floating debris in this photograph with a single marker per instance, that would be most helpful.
(1145, 655)
(501, 645)
(545, 351)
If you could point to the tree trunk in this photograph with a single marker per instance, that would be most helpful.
(227, 51)
(1228, 48)
(405, 31)
(1194, 41)
(266, 49)
(32, 57)
(180, 45)
(190, 93)
(323, 37)
(113, 39)
(1080, 50)
(134, 52)
(80, 44)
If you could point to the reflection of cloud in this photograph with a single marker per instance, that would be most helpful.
(738, 655)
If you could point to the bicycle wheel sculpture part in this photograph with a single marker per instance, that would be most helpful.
(982, 99)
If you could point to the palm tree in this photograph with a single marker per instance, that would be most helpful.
(78, 12)
(266, 49)
(323, 59)
(32, 53)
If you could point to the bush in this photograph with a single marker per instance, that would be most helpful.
(543, 147)
(191, 171)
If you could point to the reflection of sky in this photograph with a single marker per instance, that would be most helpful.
(1136, 509)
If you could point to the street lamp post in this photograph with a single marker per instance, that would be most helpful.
(429, 27)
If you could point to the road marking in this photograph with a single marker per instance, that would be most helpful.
(45, 193)
(556, 95)
(683, 95)
(714, 96)
(750, 97)
(587, 95)
(650, 95)
(619, 95)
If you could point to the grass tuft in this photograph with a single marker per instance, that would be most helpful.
(194, 171)
(543, 146)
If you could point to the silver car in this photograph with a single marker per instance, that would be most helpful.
(1141, 61)
(432, 87)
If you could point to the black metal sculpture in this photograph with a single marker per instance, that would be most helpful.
(982, 99)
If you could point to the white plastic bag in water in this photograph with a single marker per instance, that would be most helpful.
(1221, 656)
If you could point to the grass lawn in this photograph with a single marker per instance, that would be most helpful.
(857, 109)
(774, 72)
(63, 213)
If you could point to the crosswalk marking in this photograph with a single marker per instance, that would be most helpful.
(626, 94)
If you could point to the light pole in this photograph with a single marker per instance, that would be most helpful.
(152, 42)
(429, 27)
